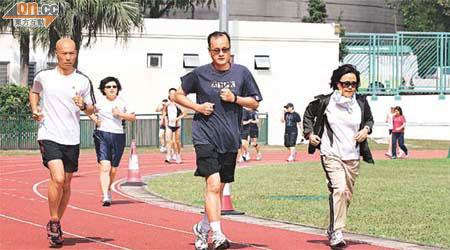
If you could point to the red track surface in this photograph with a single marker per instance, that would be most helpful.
(127, 224)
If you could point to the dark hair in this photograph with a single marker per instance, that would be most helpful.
(399, 110)
(109, 79)
(172, 89)
(342, 70)
(217, 34)
(164, 100)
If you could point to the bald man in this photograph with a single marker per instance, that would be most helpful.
(65, 92)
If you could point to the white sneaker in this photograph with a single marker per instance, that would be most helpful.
(220, 241)
(291, 158)
(240, 160)
(258, 157)
(106, 201)
(201, 239)
(337, 239)
(178, 159)
(167, 159)
(247, 156)
(162, 149)
(109, 195)
(174, 157)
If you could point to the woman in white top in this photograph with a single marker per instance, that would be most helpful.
(174, 114)
(109, 135)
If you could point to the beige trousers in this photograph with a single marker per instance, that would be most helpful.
(341, 176)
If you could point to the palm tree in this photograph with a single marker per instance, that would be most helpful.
(158, 8)
(91, 17)
(23, 34)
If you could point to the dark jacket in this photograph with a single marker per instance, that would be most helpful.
(315, 120)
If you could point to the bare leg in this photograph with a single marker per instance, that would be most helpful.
(66, 195)
(105, 181)
(55, 187)
(214, 189)
(112, 176)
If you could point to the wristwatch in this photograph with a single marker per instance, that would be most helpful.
(84, 107)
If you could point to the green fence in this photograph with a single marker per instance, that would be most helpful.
(20, 131)
(401, 63)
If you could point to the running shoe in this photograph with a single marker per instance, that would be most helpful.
(201, 239)
(54, 233)
(220, 241)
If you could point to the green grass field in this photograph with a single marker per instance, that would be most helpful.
(403, 199)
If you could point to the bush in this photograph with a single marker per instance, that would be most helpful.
(14, 99)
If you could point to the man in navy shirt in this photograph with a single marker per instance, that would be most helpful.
(221, 89)
(292, 121)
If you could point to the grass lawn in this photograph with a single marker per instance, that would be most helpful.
(403, 199)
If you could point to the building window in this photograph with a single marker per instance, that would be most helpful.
(52, 65)
(262, 62)
(4, 73)
(31, 72)
(154, 60)
(191, 61)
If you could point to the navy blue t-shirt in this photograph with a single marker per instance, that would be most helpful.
(254, 117)
(291, 120)
(222, 127)
(246, 117)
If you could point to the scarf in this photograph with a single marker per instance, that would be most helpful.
(344, 102)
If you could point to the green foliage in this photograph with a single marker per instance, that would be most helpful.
(14, 99)
(400, 199)
(317, 12)
(424, 15)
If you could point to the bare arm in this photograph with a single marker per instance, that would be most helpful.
(34, 100)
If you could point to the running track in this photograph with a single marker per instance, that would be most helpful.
(128, 223)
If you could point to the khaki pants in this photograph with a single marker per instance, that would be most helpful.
(341, 176)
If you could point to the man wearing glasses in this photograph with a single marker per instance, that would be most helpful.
(221, 89)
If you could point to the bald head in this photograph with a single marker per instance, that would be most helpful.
(66, 54)
(65, 42)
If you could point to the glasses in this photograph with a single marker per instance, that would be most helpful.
(349, 84)
(109, 86)
(217, 51)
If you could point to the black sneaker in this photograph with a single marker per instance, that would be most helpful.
(54, 233)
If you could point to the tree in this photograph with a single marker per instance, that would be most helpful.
(14, 99)
(22, 34)
(423, 15)
(159, 8)
(343, 50)
(317, 12)
(90, 16)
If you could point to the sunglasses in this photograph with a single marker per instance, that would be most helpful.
(350, 84)
(109, 86)
(217, 51)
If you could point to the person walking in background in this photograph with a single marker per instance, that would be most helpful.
(63, 92)
(389, 116)
(174, 114)
(398, 132)
(109, 134)
(292, 120)
(338, 124)
(254, 133)
(222, 88)
(243, 154)
(162, 125)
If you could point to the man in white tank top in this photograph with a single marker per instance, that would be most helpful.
(174, 114)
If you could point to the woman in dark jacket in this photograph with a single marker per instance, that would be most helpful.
(338, 125)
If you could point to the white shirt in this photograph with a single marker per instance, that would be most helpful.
(110, 123)
(61, 117)
(389, 120)
(344, 124)
(172, 112)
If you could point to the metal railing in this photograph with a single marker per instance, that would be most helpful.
(401, 63)
(20, 131)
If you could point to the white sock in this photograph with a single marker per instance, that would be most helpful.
(204, 224)
(215, 226)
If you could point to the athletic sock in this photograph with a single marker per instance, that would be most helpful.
(215, 226)
(204, 224)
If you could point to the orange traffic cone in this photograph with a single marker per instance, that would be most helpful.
(134, 178)
(226, 205)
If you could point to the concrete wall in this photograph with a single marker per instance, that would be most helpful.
(357, 15)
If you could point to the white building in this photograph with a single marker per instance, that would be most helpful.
(295, 62)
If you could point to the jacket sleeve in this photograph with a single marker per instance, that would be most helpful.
(309, 117)
(368, 118)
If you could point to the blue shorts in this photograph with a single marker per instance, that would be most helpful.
(109, 146)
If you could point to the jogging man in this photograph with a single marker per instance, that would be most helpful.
(64, 91)
(221, 89)
(292, 122)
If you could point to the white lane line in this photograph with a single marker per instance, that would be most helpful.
(65, 232)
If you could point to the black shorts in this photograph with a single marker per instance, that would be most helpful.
(174, 129)
(244, 134)
(109, 146)
(162, 127)
(290, 139)
(254, 133)
(390, 131)
(209, 162)
(69, 154)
